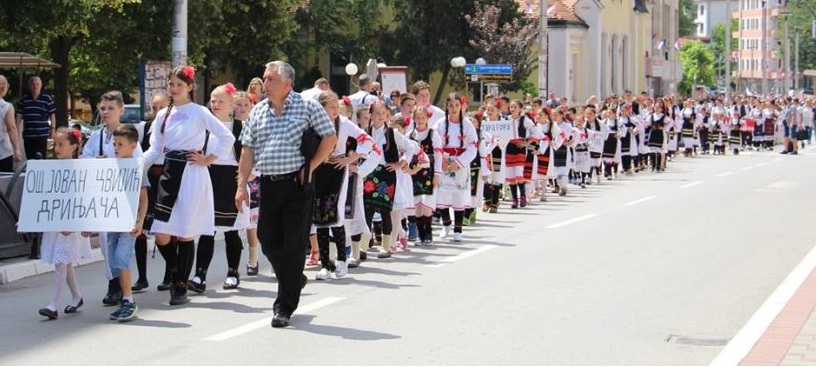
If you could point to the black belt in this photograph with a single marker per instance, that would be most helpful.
(283, 177)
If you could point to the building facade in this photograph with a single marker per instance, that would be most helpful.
(710, 13)
(759, 66)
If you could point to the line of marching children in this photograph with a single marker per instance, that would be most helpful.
(393, 170)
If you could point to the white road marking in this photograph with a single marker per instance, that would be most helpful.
(780, 185)
(246, 328)
(725, 174)
(745, 339)
(777, 159)
(641, 200)
(691, 184)
(461, 256)
(761, 164)
(747, 168)
(569, 222)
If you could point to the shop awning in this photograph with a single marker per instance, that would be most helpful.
(24, 60)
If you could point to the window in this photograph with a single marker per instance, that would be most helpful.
(701, 10)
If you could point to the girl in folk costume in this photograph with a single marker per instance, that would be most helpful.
(426, 176)
(380, 185)
(63, 249)
(345, 110)
(518, 166)
(184, 204)
(544, 153)
(596, 146)
(368, 158)
(611, 154)
(716, 135)
(479, 171)
(735, 128)
(493, 186)
(688, 118)
(704, 126)
(629, 145)
(769, 116)
(331, 188)
(459, 149)
(672, 135)
(241, 110)
(561, 152)
(754, 121)
(659, 123)
(643, 127)
(222, 176)
(582, 157)
(404, 190)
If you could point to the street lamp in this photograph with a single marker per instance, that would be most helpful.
(351, 71)
(457, 63)
(480, 61)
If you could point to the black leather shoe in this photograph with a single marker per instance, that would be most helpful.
(252, 270)
(196, 286)
(280, 320)
(52, 315)
(178, 294)
(140, 286)
(72, 309)
(112, 298)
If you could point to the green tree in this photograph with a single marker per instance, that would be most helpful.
(686, 18)
(799, 16)
(698, 64)
(718, 44)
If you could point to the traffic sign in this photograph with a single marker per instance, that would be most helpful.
(496, 69)
(489, 72)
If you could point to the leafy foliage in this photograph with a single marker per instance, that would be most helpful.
(686, 18)
(698, 65)
(504, 43)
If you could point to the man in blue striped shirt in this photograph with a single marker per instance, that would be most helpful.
(36, 113)
(272, 138)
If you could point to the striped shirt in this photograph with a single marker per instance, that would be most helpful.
(276, 139)
(36, 115)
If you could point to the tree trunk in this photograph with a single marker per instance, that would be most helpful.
(60, 47)
(441, 86)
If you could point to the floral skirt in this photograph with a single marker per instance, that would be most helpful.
(378, 188)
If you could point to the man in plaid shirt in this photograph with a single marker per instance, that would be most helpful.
(272, 138)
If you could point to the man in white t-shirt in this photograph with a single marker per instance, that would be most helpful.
(321, 85)
(422, 92)
(363, 96)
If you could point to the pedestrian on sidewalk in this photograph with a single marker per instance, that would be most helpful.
(63, 249)
(272, 140)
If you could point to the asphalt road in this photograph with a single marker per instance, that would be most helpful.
(650, 269)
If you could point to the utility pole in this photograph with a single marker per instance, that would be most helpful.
(763, 85)
(796, 60)
(787, 63)
(728, 39)
(179, 41)
(543, 49)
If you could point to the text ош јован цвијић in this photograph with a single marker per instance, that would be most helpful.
(89, 187)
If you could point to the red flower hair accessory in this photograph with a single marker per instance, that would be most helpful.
(346, 100)
(77, 135)
(463, 100)
(189, 72)
(499, 103)
(407, 120)
(230, 88)
(429, 113)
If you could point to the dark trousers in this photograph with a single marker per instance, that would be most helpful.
(7, 164)
(34, 146)
(284, 220)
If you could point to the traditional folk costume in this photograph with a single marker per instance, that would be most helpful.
(460, 147)
(332, 196)
(629, 145)
(425, 201)
(769, 118)
(477, 169)
(519, 160)
(597, 133)
(493, 188)
(184, 203)
(688, 118)
(379, 187)
(582, 154)
(735, 129)
(355, 214)
(227, 217)
(611, 153)
(659, 123)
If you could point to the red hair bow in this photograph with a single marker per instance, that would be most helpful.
(428, 112)
(499, 103)
(78, 135)
(189, 72)
(346, 100)
(407, 120)
(253, 99)
(230, 88)
(463, 100)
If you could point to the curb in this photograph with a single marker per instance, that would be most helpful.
(13, 272)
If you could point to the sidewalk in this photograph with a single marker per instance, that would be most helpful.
(790, 338)
(22, 267)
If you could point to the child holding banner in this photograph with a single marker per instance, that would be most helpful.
(65, 248)
(121, 245)
(184, 204)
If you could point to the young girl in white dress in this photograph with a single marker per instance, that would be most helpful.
(184, 205)
(63, 249)
(426, 176)
(228, 219)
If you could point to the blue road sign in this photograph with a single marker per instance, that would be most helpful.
(491, 69)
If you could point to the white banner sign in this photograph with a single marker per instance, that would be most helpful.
(501, 130)
(93, 195)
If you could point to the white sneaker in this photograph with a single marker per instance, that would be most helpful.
(457, 237)
(446, 232)
(340, 269)
(323, 274)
